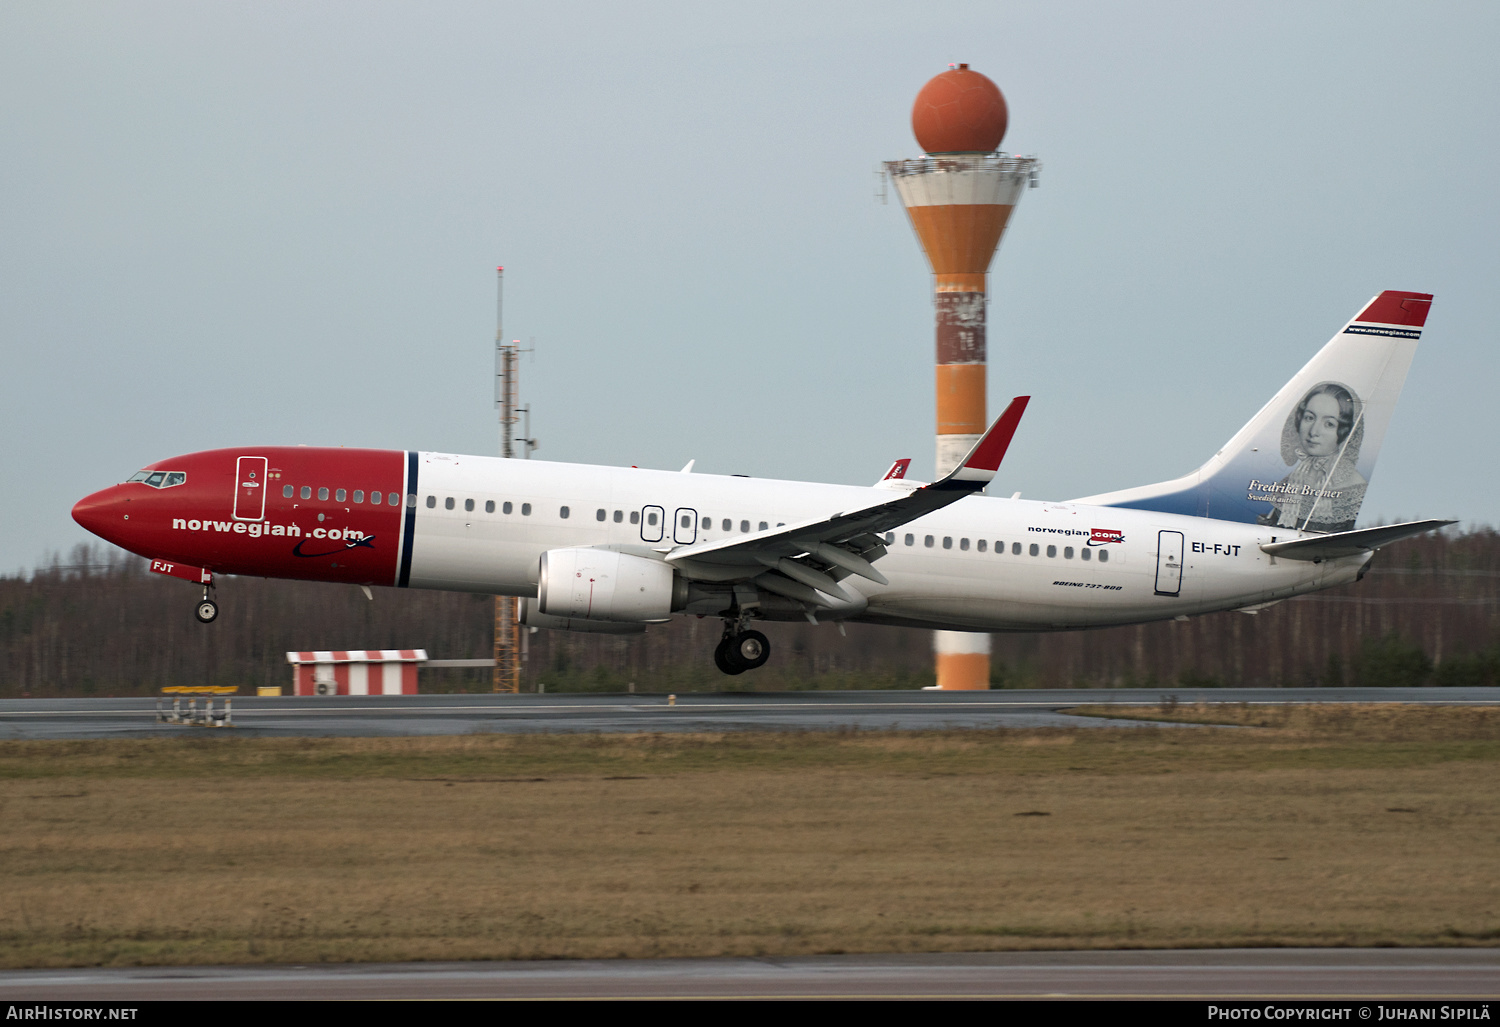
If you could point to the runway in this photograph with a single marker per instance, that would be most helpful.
(1358, 975)
(586, 712)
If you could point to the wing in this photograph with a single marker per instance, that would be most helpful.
(807, 560)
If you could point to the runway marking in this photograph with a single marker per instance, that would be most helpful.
(655, 707)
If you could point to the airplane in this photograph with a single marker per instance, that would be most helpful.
(1269, 516)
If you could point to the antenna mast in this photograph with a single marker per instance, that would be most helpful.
(509, 642)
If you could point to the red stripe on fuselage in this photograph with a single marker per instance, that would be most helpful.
(312, 539)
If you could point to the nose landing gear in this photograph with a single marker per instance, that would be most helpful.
(207, 610)
(739, 651)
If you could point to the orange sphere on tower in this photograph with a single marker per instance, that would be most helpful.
(959, 111)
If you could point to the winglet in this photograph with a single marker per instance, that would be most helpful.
(898, 470)
(978, 468)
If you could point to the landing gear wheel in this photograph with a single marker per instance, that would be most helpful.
(207, 611)
(725, 657)
(752, 649)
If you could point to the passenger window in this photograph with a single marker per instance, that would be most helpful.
(947, 541)
(981, 545)
(927, 542)
(911, 539)
(340, 496)
(562, 512)
(286, 492)
(764, 525)
(432, 502)
(728, 524)
(306, 491)
(448, 503)
(600, 515)
(963, 544)
(1036, 550)
(744, 526)
(469, 505)
(489, 506)
(411, 499)
(1104, 556)
(1068, 553)
(359, 495)
(708, 523)
(651, 518)
(525, 509)
(1085, 554)
(507, 508)
(635, 517)
(620, 516)
(1015, 549)
(687, 521)
(890, 538)
(323, 494)
(375, 498)
(1051, 551)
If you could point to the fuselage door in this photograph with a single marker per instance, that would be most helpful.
(653, 522)
(250, 488)
(1168, 563)
(685, 526)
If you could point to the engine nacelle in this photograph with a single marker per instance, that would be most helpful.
(603, 585)
(534, 618)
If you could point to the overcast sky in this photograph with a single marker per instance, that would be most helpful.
(265, 223)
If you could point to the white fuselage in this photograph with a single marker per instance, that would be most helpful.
(957, 569)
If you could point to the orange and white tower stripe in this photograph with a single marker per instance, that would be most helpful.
(959, 198)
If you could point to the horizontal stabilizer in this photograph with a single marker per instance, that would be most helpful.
(1349, 543)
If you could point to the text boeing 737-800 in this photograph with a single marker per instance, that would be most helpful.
(1271, 515)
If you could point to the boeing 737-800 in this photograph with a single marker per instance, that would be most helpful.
(1271, 515)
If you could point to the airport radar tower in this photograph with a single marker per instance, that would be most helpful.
(959, 198)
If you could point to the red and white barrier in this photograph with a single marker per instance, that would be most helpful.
(355, 671)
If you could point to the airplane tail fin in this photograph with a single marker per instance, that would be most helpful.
(1304, 461)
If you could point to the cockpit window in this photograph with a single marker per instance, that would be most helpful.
(159, 479)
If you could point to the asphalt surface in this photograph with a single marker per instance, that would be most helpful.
(766, 711)
(1360, 975)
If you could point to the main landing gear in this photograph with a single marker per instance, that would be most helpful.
(740, 650)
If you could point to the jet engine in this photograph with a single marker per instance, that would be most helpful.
(603, 585)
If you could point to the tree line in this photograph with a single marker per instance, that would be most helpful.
(97, 623)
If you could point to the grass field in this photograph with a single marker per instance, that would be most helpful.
(1299, 826)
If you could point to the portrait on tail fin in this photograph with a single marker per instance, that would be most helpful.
(1322, 438)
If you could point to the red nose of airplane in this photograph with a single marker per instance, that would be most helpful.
(106, 513)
